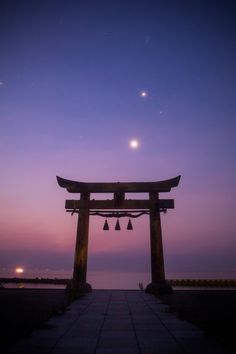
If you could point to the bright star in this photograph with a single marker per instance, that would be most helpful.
(143, 94)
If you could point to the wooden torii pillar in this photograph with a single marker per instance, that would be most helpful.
(154, 206)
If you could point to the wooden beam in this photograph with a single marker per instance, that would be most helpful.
(117, 187)
(126, 204)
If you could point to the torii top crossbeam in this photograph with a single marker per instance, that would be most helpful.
(116, 187)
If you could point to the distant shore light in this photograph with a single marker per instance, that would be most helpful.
(19, 270)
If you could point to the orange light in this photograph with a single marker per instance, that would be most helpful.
(19, 270)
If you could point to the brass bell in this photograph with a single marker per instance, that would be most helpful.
(129, 226)
(117, 227)
(106, 226)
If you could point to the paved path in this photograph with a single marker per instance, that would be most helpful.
(117, 322)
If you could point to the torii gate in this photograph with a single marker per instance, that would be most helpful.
(152, 206)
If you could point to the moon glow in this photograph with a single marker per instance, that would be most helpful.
(134, 144)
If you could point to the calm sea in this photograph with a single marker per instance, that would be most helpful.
(105, 280)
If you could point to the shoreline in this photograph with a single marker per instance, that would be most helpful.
(216, 283)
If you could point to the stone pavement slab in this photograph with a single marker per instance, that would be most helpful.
(117, 322)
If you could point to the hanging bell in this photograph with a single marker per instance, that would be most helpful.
(129, 226)
(117, 227)
(106, 226)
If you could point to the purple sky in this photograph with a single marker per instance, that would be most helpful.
(71, 73)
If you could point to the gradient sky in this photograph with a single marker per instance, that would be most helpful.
(71, 73)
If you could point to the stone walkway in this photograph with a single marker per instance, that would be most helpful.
(117, 322)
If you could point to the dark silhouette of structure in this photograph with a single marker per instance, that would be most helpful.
(119, 207)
